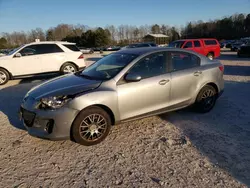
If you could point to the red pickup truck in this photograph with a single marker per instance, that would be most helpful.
(208, 47)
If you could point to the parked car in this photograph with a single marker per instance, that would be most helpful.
(236, 46)
(222, 45)
(123, 86)
(86, 50)
(244, 51)
(41, 57)
(207, 47)
(112, 48)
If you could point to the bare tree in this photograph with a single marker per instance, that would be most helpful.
(113, 32)
(62, 30)
(78, 30)
(121, 31)
(37, 33)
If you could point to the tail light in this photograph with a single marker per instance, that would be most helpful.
(221, 68)
(81, 56)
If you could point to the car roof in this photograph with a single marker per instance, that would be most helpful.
(53, 42)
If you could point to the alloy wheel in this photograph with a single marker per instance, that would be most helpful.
(93, 127)
(69, 69)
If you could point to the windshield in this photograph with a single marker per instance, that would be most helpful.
(108, 67)
(15, 50)
(176, 44)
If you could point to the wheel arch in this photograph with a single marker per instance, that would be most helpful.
(211, 52)
(11, 76)
(103, 107)
(214, 85)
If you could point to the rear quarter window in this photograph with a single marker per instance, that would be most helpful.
(72, 47)
(210, 42)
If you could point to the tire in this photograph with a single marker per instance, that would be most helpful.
(4, 76)
(210, 56)
(68, 68)
(90, 129)
(204, 104)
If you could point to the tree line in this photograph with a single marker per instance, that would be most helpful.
(231, 27)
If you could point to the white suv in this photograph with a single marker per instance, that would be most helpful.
(41, 57)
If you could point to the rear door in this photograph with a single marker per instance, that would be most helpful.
(185, 75)
(198, 47)
(53, 57)
(151, 93)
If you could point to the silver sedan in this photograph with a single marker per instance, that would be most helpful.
(123, 86)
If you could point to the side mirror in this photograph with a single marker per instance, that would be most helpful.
(130, 77)
(18, 55)
(185, 47)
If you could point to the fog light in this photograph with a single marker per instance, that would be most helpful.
(49, 126)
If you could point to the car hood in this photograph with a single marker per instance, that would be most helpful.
(63, 85)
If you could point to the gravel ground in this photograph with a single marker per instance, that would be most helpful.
(178, 149)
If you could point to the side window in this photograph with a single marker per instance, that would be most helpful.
(182, 61)
(29, 50)
(48, 48)
(197, 43)
(210, 42)
(150, 66)
(188, 45)
(40, 49)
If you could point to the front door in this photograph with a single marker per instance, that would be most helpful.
(185, 76)
(188, 45)
(28, 63)
(151, 93)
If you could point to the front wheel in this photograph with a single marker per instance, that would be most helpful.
(4, 76)
(206, 99)
(91, 126)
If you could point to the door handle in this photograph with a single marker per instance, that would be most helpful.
(197, 73)
(163, 82)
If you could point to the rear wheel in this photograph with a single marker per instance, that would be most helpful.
(91, 126)
(206, 99)
(210, 56)
(4, 76)
(68, 68)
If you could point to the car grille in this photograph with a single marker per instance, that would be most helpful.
(28, 117)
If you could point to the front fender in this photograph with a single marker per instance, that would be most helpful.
(105, 98)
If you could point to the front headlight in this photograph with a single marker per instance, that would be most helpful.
(54, 102)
